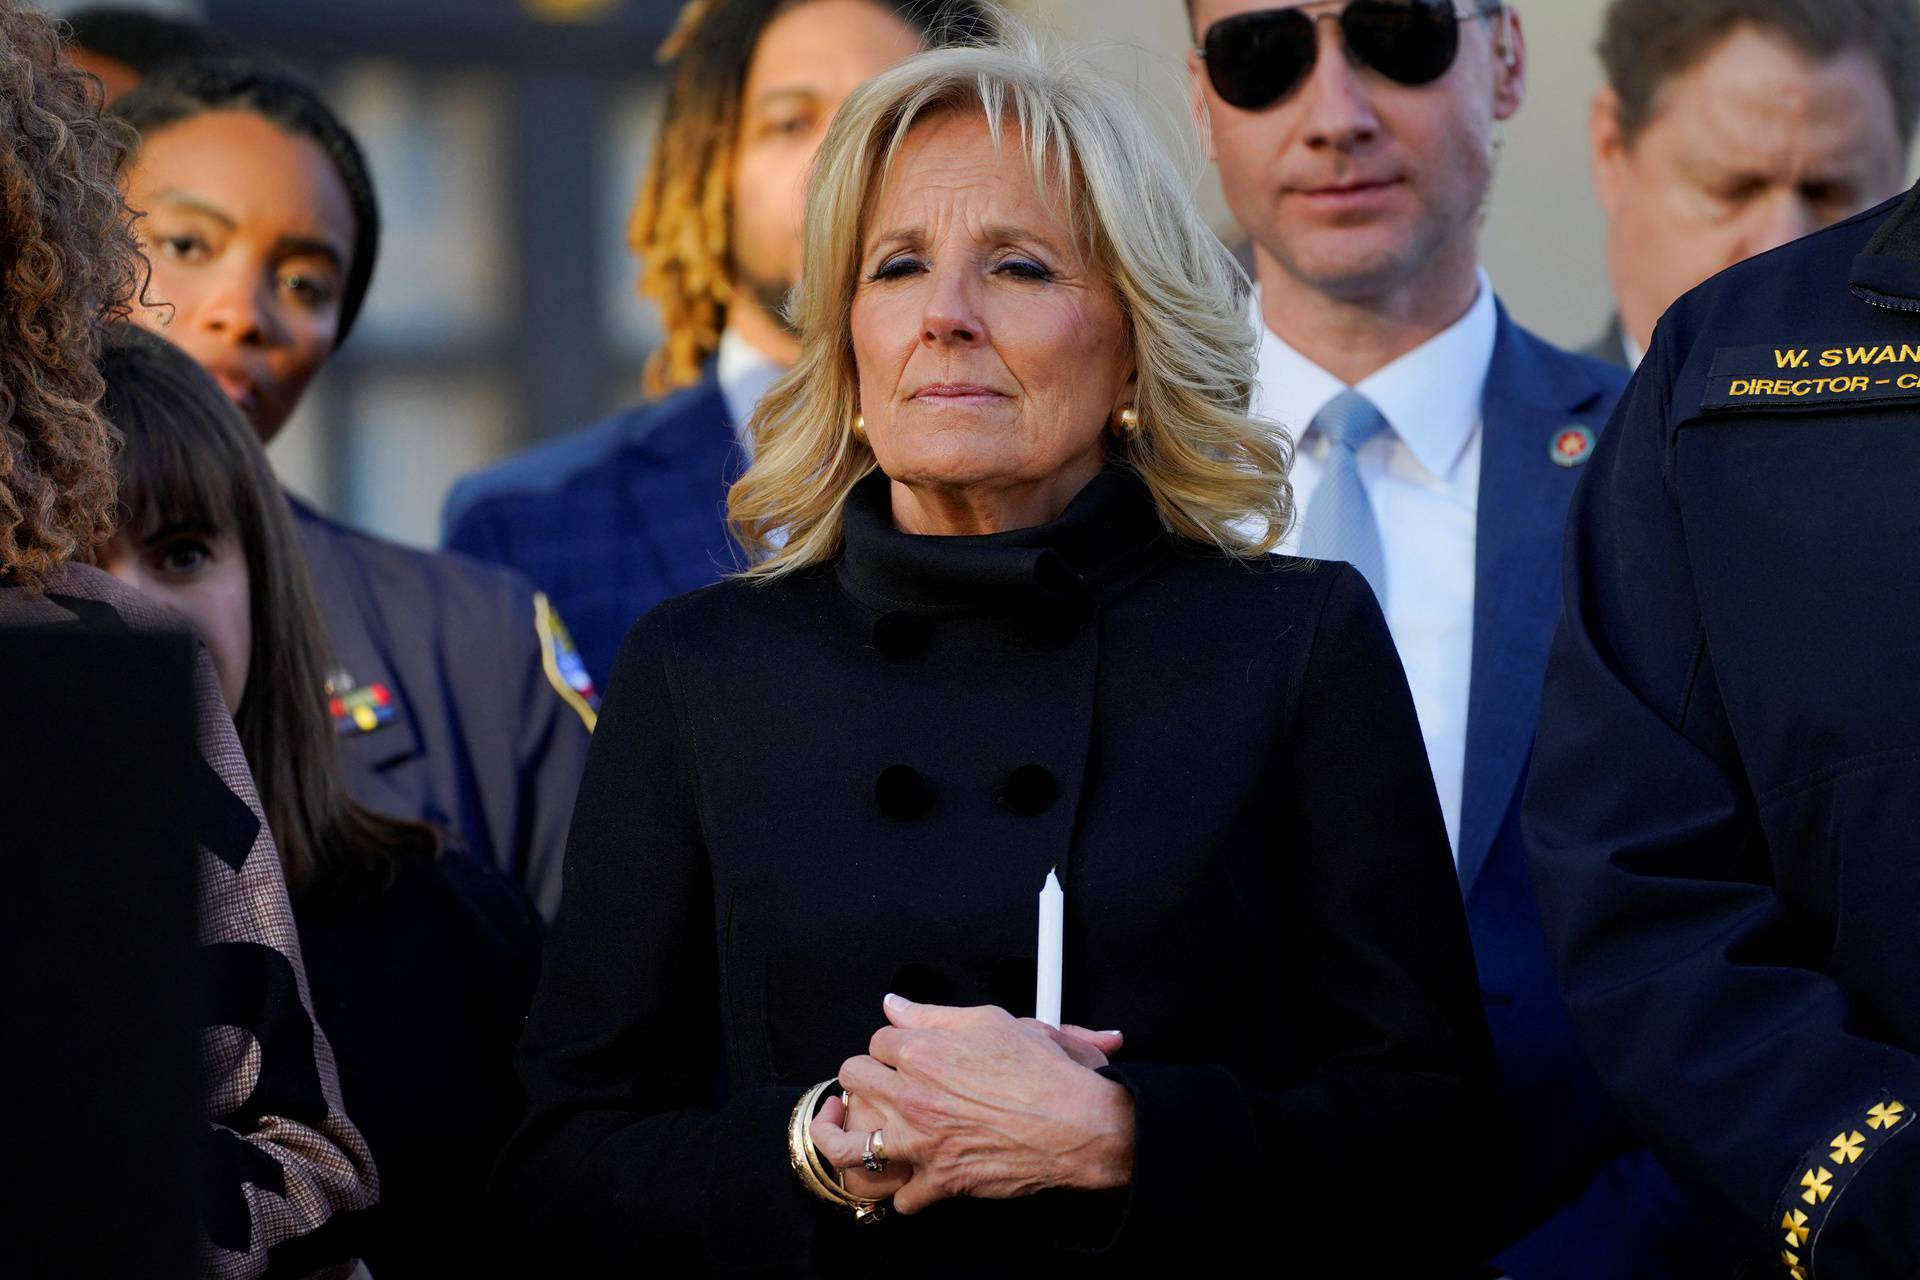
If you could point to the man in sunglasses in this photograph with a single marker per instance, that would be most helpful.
(1728, 127)
(1439, 444)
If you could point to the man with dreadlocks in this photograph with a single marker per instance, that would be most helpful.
(615, 518)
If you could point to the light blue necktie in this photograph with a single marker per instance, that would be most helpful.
(1340, 523)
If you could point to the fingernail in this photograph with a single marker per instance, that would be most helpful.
(1114, 1032)
(896, 1002)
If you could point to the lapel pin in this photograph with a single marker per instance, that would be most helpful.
(359, 709)
(1571, 445)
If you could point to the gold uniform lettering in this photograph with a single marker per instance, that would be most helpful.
(1789, 359)
(1831, 357)
(1908, 382)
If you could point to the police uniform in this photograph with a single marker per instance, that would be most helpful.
(1724, 799)
(457, 696)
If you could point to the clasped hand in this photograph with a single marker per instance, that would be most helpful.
(976, 1102)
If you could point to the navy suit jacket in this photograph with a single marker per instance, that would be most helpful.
(612, 519)
(1594, 1203)
(480, 733)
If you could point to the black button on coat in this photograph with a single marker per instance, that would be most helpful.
(1221, 761)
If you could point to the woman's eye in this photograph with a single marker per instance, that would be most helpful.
(314, 291)
(183, 559)
(896, 269)
(790, 127)
(185, 248)
(1025, 269)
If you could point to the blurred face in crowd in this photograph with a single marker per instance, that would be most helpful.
(249, 230)
(807, 62)
(115, 76)
(1751, 147)
(992, 353)
(1354, 185)
(201, 573)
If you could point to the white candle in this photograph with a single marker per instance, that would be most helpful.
(1046, 986)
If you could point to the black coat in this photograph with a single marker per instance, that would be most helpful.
(807, 793)
(422, 991)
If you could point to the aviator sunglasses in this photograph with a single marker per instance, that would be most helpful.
(1256, 59)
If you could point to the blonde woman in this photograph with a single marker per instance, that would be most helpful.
(1013, 614)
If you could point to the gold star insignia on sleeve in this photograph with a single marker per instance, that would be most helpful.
(1846, 1146)
(1827, 1169)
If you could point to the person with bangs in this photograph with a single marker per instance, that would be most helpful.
(421, 959)
(1012, 621)
(459, 700)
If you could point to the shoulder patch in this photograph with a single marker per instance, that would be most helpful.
(561, 661)
(1838, 373)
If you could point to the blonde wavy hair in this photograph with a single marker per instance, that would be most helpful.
(1217, 475)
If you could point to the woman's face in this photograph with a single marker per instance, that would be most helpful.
(992, 355)
(250, 233)
(201, 574)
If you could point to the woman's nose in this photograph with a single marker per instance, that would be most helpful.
(239, 311)
(952, 314)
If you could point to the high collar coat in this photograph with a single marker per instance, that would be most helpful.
(808, 792)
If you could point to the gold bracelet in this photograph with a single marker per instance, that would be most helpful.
(815, 1174)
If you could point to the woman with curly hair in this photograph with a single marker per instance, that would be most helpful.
(280, 1160)
(67, 258)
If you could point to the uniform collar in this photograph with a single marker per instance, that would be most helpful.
(1431, 397)
(1103, 531)
(1887, 273)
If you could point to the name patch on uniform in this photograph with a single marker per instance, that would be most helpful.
(1840, 373)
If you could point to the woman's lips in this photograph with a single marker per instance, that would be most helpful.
(239, 388)
(957, 393)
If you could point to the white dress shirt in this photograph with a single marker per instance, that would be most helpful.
(1422, 476)
(744, 376)
(1634, 352)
